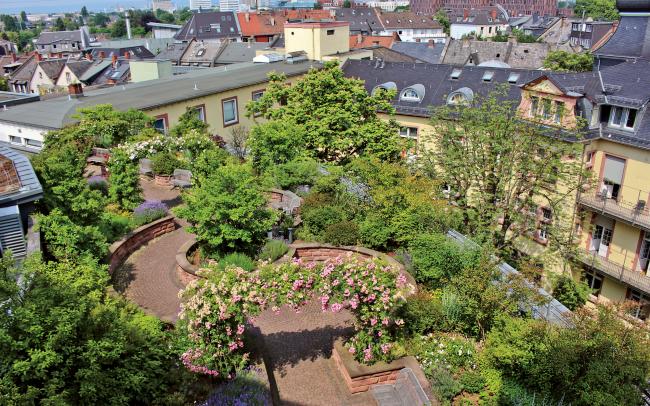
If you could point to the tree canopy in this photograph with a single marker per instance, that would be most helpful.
(563, 61)
(597, 9)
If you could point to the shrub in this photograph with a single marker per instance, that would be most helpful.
(150, 210)
(124, 188)
(99, 183)
(273, 250)
(65, 240)
(342, 233)
(114, 226)
(472, 381)
(237, 260)
(246, 389)
(443, 351)
(570, 293)
(444, 385)
(295, 173)
(422, 313)
(317, 219)
(164, 163)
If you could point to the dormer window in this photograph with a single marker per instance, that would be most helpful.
(513, 78)
(413, 93)
(622, 117)
(460, 97)
(455, 74)
(384, 87)
(488, 75)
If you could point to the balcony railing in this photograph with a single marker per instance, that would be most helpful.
(634, 212)
(635, 279)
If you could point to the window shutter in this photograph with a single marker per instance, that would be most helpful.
(614, 169)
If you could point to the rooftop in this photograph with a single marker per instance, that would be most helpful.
(21, 182)
(209, 26)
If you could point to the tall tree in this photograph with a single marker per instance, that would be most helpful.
(84, 12)
(338, 115)
(564, 61)
(443, 20)
(597, 9)
(500, 169)
(59, 24)
(23, 16)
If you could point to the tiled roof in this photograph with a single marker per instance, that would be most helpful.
(389, 55)
(264, 23)
(173, 52)
(52, 67)
(139, 52)
(79, 67)
(210, 26)
(631, 39)
(436, 80)
(407, 20)
(479, 16)
(47, 38)
(361, 19)
(26, 71)
(364, 41)
(235, 52)
(201, 53)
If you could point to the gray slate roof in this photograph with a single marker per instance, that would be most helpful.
(201, 26)
(631, 39)
(420, 50)
(361, 19)
(47, 38)
(79, 67)
(516, 55)
(25, 72)
(235, 52)
(137, 52)
(436, 80)
(57, 112)
(173, 52)
(52, 67)
(30, 189)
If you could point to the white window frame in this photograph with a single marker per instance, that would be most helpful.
(235, 119)
(407, 132)
(625, 113)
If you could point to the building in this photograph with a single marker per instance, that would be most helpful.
(365, 41)
(411, 27)
(497, 54)
(142, 71)
(261, 26)
(388, 5)
(588, 34)
(20, 79)
(162, 30)
(7, 47)
(513, 7)
(221, 93)
(134, 52)
(229, 5)
(535, 24)
(164, 5)
(321, 41)
(200, 4)
(363, 20)
(429, 52)
(215, 26)
(63, 41)
(479, 22)
(19, 189)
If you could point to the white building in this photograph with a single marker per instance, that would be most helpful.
(229, 5)
(165, 5)
(200, 4)
(388, 5)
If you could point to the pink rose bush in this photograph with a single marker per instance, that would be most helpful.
(215, 310)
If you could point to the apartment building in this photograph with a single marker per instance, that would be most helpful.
(513, 7)
(484, 22)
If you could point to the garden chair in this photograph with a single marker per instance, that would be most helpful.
(145, 167)
(181, 178)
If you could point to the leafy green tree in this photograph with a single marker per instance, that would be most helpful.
(118, 29)
(563, 61)
(124, 182)
(209, 160)
(443, 20)
(597, 9)
(100, 20)
(59, 24)
(275, 143)
(570, 293)
(67, 241)
(189, 121)
(64, 340)
(480, 151)
(228, 211)
(3, 84)
(84, 12)
(338, 116)
(165, 16)
(9, 23)
(23, 16)
(347, 4)
(183, 15)
(109, 127)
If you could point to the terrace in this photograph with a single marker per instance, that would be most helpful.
(629, 205)
(619, 272)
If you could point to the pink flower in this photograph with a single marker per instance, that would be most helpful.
(373, 321)
(232, 346)
(401, 280)
(240, 329)
(350, 282)
(379, 333)
(385, 321)
(351, 350)
(399, 322)
(354, 304)
(385, 348)
(367, 354)
(346, 293)
(336, 307)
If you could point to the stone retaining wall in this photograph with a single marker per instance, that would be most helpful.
(186, 270)
(120, 250)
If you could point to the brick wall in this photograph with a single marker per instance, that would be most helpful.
(121, 249)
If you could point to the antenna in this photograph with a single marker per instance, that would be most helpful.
(195, 86)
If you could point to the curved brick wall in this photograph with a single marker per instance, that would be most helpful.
(120, 250)
(186, 270)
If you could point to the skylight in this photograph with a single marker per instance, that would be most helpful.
(488, 75)
(455, 74)
(513, 78)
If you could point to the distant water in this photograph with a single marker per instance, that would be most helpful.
(60, 6)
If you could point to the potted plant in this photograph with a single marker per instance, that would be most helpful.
(163, 165)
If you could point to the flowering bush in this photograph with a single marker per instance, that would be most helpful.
(215, 309)
(452, 353)
(247, 388)
(193, 142)
(148, 211)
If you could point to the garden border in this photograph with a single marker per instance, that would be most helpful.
(120, 250)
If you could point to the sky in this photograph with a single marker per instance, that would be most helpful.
(53, 6)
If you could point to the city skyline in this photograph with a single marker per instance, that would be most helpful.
(54, 6)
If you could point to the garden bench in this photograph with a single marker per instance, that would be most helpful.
(99, 156)
(181, 178)
(145, 167)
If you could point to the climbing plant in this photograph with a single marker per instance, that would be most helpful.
(216, 308)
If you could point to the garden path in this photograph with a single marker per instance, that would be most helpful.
(298, 347)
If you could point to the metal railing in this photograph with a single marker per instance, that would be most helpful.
(636, 279)
(631, 206)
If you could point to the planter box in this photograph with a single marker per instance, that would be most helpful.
(163, 180)
(359, 377)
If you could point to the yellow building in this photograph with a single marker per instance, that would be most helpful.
(321, 41)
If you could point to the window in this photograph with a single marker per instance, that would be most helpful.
(594, 281)
(410, 95)
(230, 115)
(15, 140)
(534, 105)
(612, 177)
(547, 214)
(330, 32)
(34, 143)
(455, 74)
(40, 75)
(559, 112)
(590, 159)
(160, 124)
(622, 117)
(200, 112)
(640, 311)
(542, 232)
(256, 96)
(546, 109)
(68, 77)
(513, 77)
(408, 132)
(487, 76)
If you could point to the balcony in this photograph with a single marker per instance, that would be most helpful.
(630, 211)
(635, 279)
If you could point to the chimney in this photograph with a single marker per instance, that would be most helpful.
(102, 54)
(127, 55)
(128, 25)
(114, 60)
(494, 13)
(417, 40)
(465, 13)
(272, 21)
(13, 57)
(75, 90)
(39, 57)
(60, 55)
(89, 56)
(359, 38)
(431, 43)
(247, 17)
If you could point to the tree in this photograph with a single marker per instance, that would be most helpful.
(4, 86)
(443, 20)
(124, 182)
(165, 16)
(84, 12)
(108, 127)
(118, 29)
(228, 211)
(500, 169)
(189, 121)
(337, 114)
(275, 143)
(597, 9)
(9, 23)
(67, 241)
(59, 24)
(100, 19)
(347, 4)
(239, 141)
(23, 16)
(564, 61)
(64, 340)
(570, 293)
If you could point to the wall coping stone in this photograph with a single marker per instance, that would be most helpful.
(181, 257)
